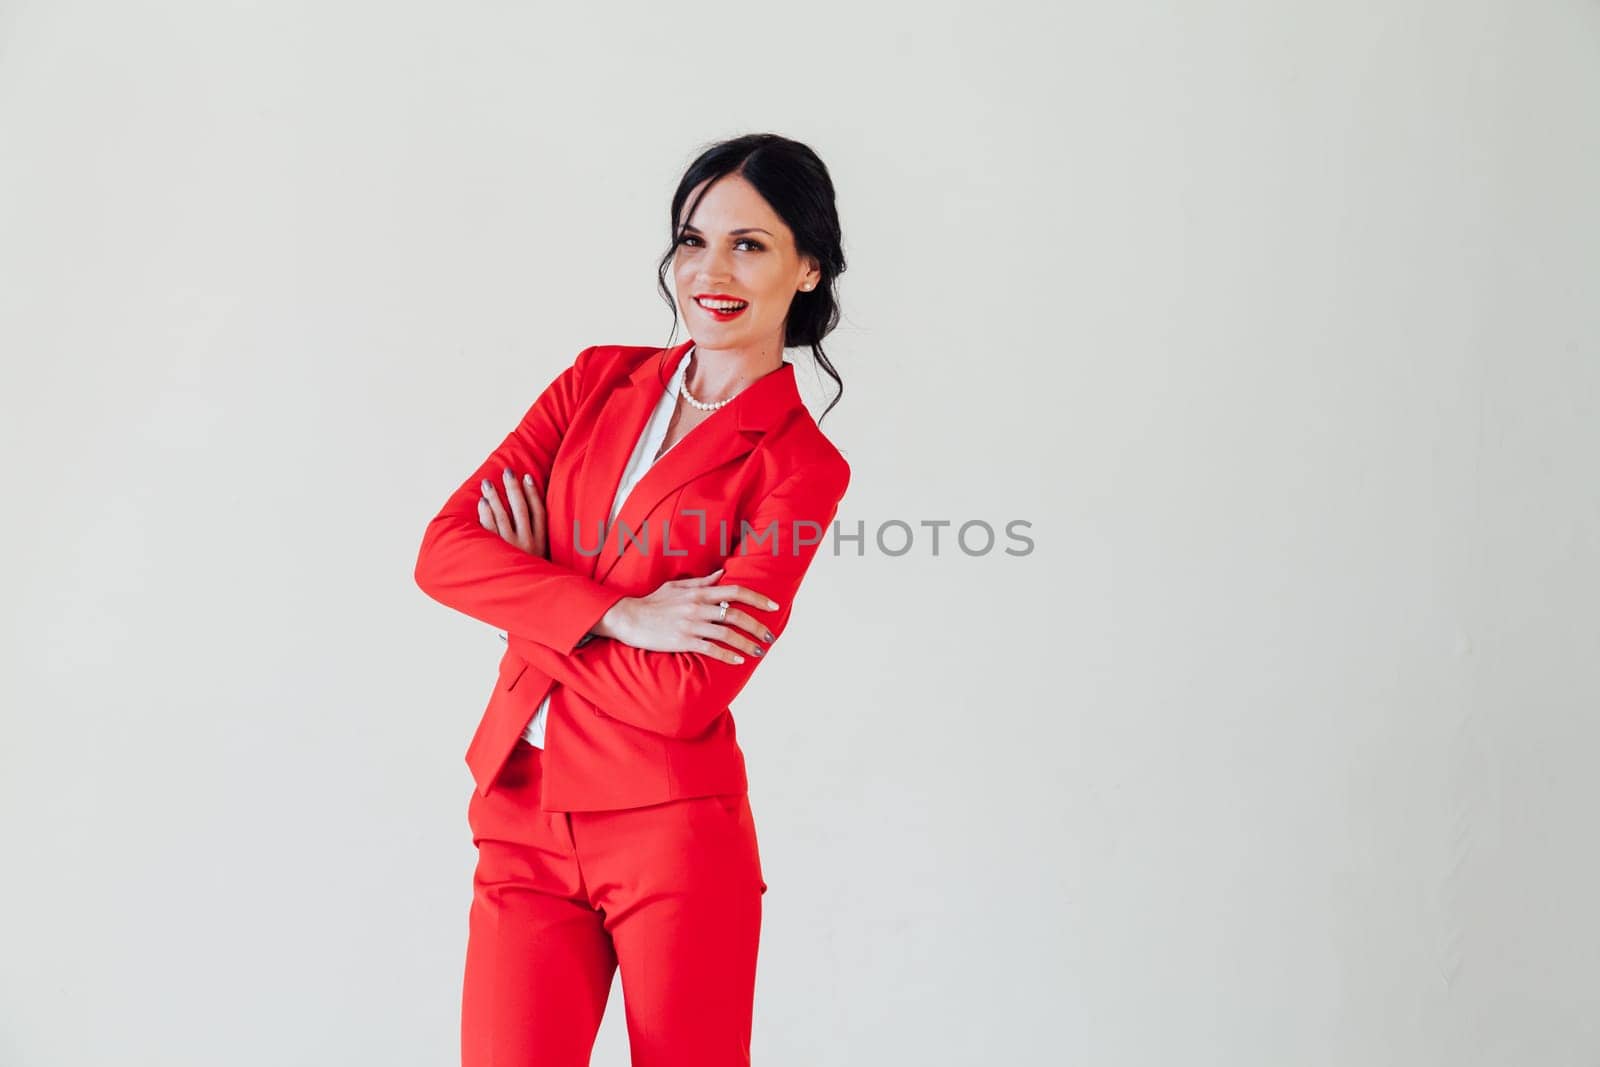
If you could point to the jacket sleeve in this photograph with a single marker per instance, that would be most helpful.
(680, 694)
(466, 567)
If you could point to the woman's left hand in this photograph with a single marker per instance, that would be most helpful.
(524, 525)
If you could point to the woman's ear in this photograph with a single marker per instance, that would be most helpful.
(813, 275)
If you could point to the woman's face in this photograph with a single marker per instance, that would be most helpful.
(736, 246)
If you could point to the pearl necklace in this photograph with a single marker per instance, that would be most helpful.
(683, 387)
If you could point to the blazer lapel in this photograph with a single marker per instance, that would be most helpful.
(616, 431)
(727, 434)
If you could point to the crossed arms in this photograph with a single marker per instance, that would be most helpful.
(547, 610)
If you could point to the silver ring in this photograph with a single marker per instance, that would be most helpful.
(723, 604)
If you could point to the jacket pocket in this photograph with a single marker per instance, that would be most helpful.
(511, 671)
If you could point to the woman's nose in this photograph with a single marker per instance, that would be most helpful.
(717, 264)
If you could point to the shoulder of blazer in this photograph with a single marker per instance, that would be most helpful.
(601, 364)
(797, 443)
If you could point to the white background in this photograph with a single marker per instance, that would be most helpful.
(1277, 322)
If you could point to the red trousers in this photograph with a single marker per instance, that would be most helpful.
(671, 893)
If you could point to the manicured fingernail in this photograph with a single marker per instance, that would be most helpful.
(527, 479)
(486, 486)
(755, 652)
(738, 659)
(773, 604)
(769, 635)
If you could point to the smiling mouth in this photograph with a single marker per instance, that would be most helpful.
(722, 307)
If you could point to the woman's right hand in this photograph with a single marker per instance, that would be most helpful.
(681, 616)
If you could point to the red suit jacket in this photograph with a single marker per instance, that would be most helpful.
(754, 489)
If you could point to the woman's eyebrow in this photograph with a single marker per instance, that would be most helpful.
(746, 229)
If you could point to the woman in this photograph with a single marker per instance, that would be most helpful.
(640, 538)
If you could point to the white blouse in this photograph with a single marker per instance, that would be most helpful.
(655, 431)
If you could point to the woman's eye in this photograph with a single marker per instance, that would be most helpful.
(754, 245)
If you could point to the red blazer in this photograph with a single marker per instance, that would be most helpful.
(629, 727)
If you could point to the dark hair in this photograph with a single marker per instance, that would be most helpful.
(791, 178)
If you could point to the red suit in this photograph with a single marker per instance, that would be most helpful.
(628, 840)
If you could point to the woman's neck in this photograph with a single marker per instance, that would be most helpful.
(717, 374)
